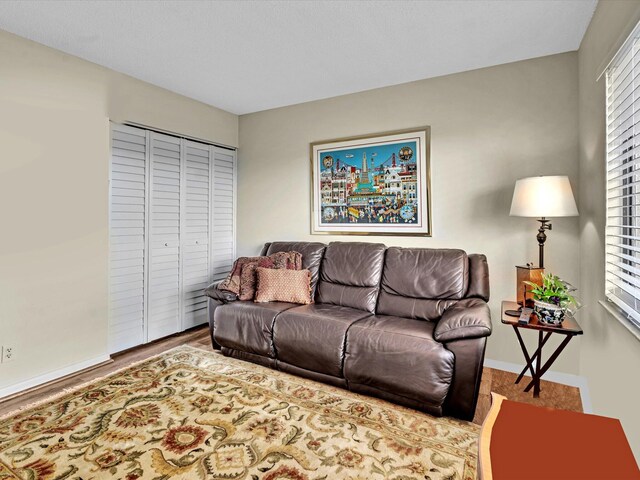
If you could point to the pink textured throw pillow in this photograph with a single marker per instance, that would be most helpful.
(242, 277)
(292, 286)
(280, 260)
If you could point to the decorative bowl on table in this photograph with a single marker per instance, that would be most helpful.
(549, 313)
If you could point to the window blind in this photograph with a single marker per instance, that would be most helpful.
(623, 179)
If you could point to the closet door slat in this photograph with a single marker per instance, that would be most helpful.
(223, 207)
(127, 184)
(196, 226)
(171, 230)
(164, 237)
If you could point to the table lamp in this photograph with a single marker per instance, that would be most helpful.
(542, 197)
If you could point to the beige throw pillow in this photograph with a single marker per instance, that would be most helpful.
(234, 281)
(292, 286)
(288, 260)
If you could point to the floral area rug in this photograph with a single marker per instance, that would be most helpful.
(192, 414)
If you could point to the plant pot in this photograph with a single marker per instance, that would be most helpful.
(548, 313)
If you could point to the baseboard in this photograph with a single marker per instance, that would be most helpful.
(557, 377)
(54, 376)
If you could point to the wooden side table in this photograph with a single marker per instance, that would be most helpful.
(569, 328)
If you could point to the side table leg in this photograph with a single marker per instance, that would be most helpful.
(549, 362)
(536, 386)
(529, 360)
(535, 355)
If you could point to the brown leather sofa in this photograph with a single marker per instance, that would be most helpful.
(409, 325)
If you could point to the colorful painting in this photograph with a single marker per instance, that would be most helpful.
(374, 185)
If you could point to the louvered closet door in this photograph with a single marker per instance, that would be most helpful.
(224, 191)
(196, 232)
(127, 238)
(164, 301)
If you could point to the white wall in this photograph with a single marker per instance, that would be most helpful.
(54, 133)
(489, 127)
(610, 354)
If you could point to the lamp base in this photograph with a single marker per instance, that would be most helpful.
(513, 313)
(542, 237)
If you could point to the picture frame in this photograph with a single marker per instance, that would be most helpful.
(377, 184)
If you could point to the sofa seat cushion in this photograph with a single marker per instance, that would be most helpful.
(312, 336)
(247, 326)
(400, 356)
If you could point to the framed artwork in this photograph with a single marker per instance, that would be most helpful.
(372, 185)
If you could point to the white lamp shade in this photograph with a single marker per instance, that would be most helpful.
(543, 197)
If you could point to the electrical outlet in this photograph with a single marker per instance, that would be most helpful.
(8, 354)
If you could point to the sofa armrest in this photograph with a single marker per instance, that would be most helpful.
(469, 318)
(222, 296)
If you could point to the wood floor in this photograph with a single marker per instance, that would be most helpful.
(552, 395)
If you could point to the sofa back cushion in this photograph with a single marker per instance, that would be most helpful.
(312, 253)
(350, 275)
(422, 282)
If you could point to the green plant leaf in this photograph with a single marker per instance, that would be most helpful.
(553, 290)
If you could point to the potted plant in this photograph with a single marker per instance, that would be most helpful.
(552, 299)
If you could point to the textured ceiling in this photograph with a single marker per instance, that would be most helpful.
(246, 56)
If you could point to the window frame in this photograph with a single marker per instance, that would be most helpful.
(622, 187)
